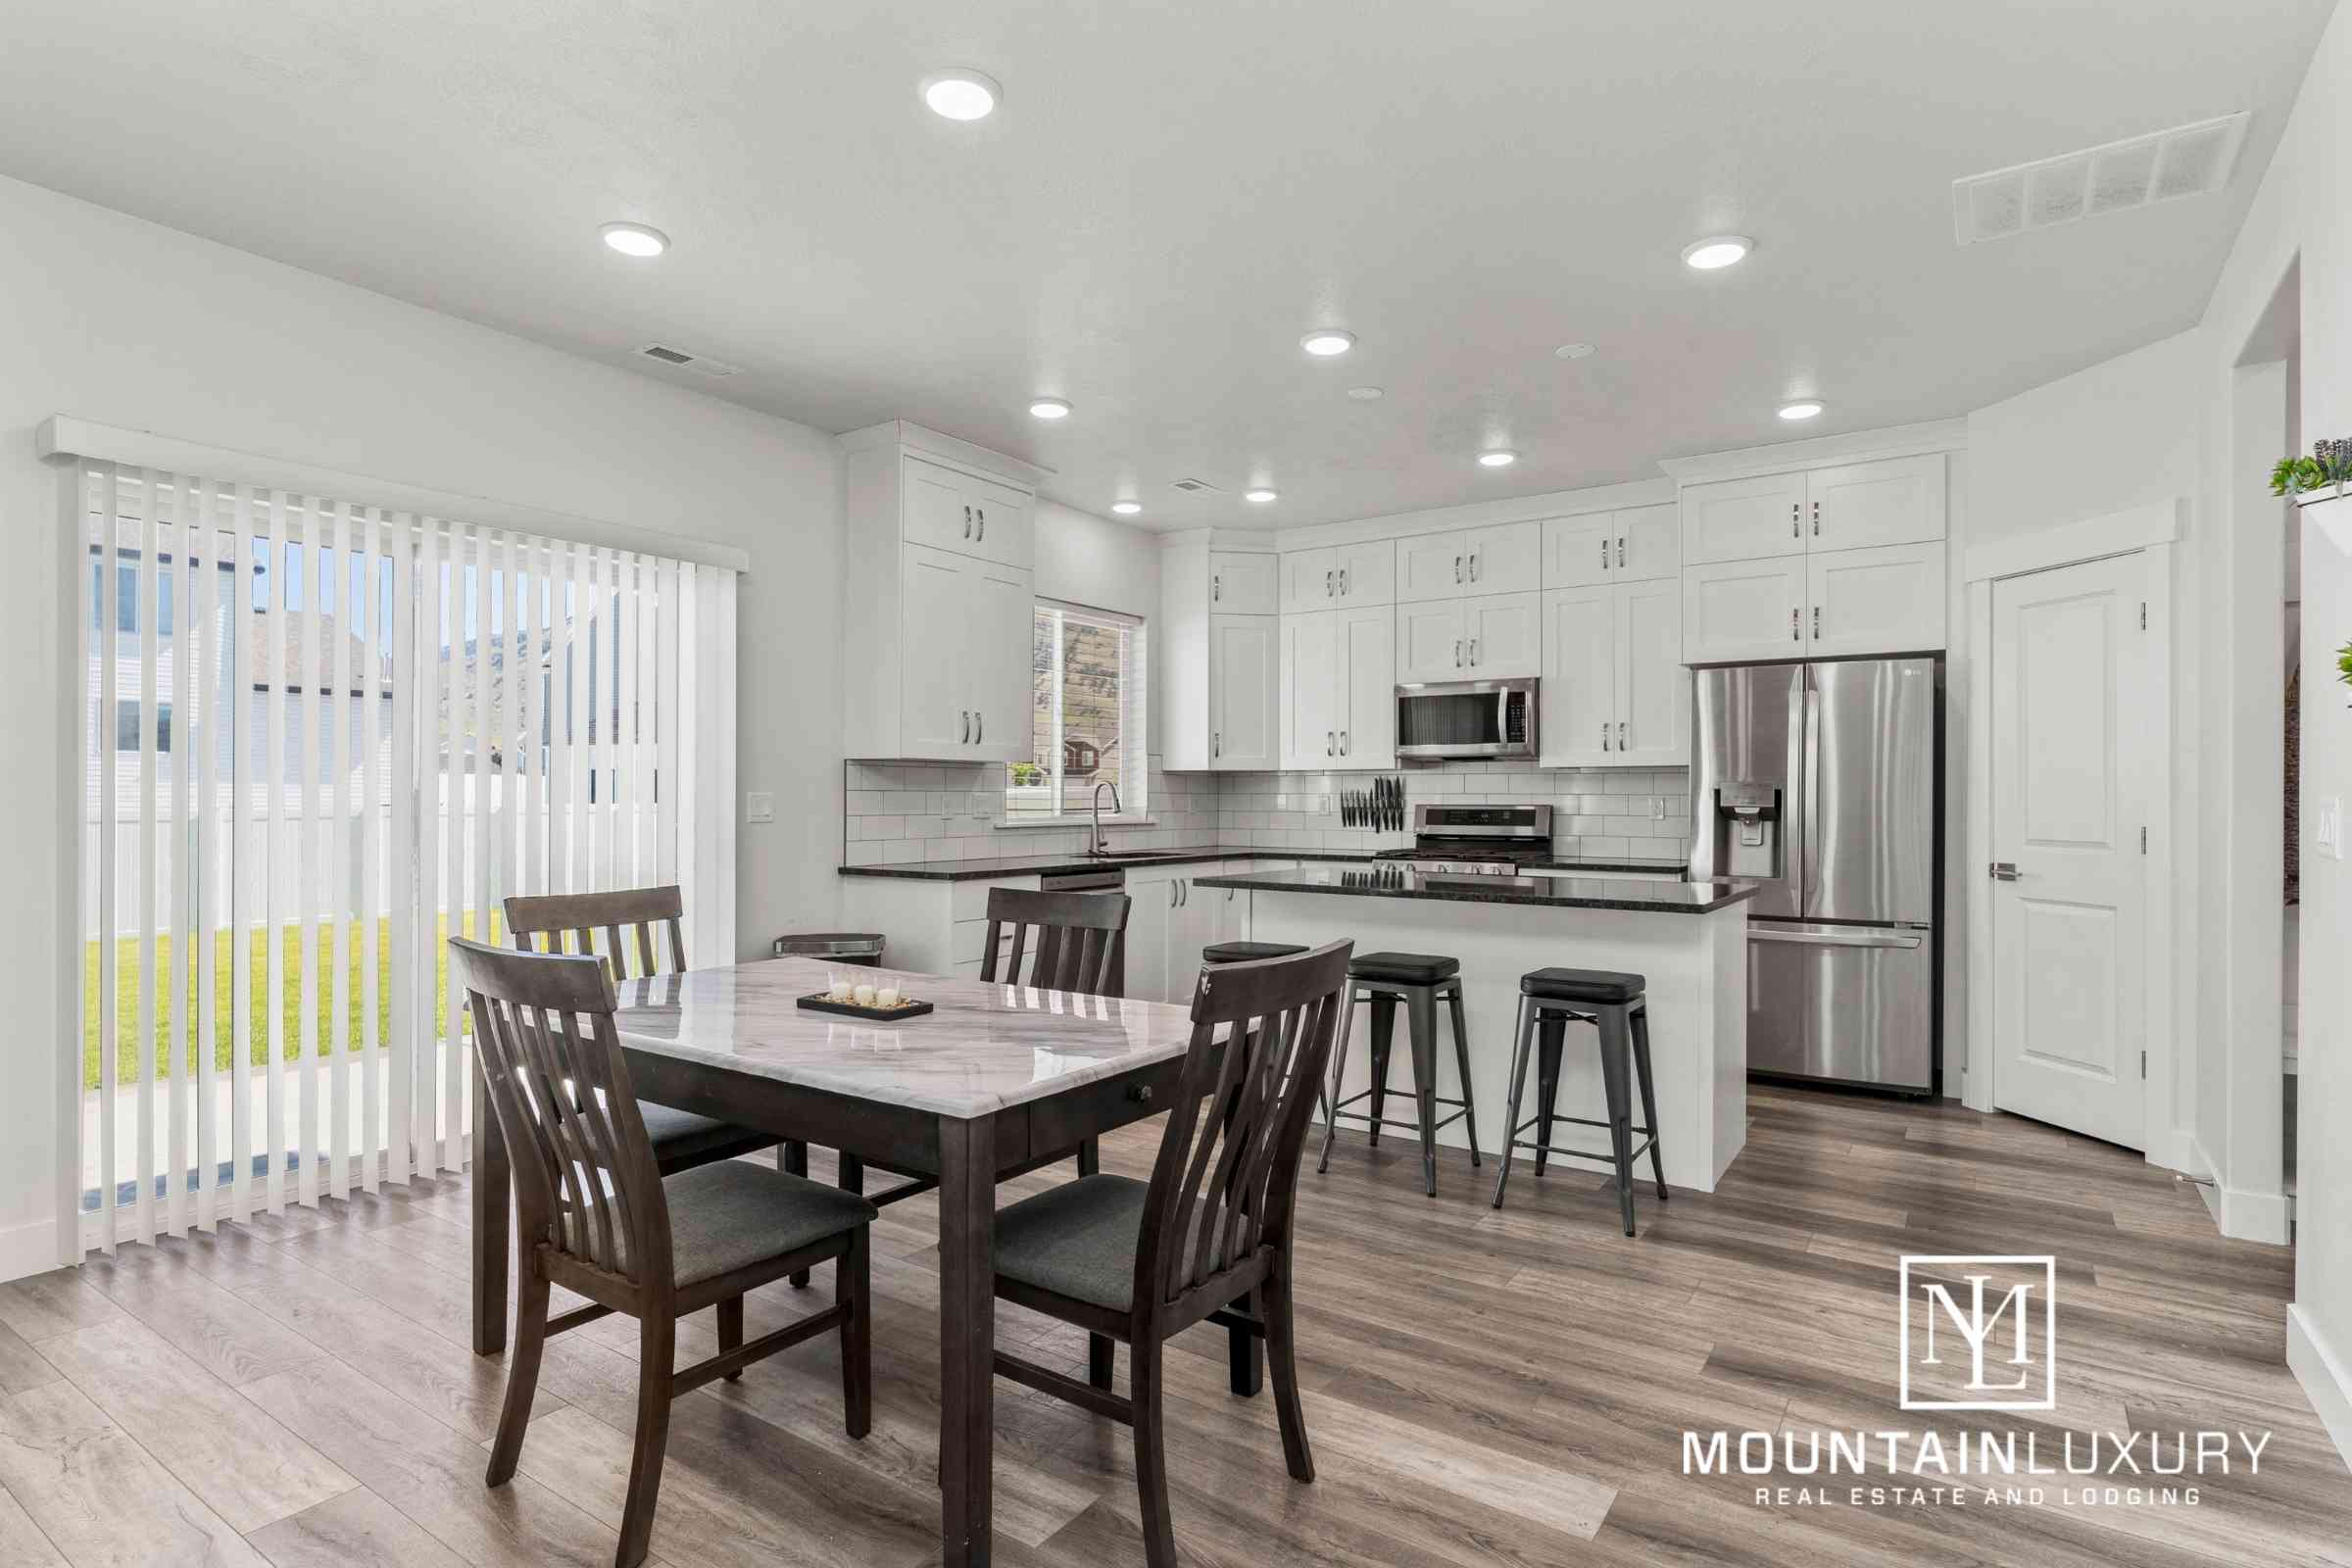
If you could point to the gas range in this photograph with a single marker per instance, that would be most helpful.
(1476, 839)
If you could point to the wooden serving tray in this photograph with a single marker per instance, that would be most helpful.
(821, 1003)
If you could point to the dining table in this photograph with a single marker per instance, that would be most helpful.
(996, 1080)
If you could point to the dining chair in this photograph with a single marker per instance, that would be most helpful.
(1211, 1230)
(1074, 941)
(598, 1216)
(652, 918)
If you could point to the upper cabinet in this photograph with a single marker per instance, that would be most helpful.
(1339, 682)
(1742, 520)
(1615, 693)
(1468, 561)
(1215, 657)
(1640, 544)
(1340, 577)
(937, 581)
(1242, 584)
(1860, 505)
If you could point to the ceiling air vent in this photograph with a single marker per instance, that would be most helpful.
(1199, 487)
(2185, 161)
(700, 364)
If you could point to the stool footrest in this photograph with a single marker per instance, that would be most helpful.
(1401, 1094)
(1555, 1152)
(1412, 1125)
(1579, 1121)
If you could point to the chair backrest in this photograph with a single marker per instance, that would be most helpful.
(585, 1179)
(1235, 1134)
(577, 917)
(1080, 940)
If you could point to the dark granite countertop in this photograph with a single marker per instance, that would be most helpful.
(1045, 864)
(1555, 891)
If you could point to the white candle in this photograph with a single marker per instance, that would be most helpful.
(839, 991)
(887, 997)
(864, 996)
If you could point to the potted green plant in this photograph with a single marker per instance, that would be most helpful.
(2321, 476)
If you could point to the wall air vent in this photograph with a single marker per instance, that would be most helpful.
(700, 364)
(1199, 487)
(2185, 161)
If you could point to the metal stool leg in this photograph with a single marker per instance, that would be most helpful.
(1510, 1122)
(1551, 1034)
(1615, 1052)
(1384, 1035)
(1649, 1094)
(1421, 1025)
(1339, 1072)
(1461, 1063)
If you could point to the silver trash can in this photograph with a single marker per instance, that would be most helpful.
(844, 947)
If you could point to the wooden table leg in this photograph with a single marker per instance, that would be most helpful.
(792, 1159)
(493, 1245)
(967, 1335)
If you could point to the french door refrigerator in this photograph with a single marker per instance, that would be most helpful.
(1823, 783)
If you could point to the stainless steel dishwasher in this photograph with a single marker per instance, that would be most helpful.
(1093, 879)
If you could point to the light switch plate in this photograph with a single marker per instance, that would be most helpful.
(2327, 826)
(758, 807)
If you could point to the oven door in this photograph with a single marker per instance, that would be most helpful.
(1466, 718)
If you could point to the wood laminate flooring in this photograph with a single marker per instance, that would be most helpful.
(1484, 1388)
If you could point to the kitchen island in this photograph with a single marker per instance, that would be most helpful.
(1688, 940)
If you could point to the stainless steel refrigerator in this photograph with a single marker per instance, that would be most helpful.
(1823, 782)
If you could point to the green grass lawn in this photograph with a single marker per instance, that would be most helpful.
(353, 945)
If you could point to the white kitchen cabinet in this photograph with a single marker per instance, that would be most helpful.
(1429, 567)
(1216, 701)
(1505, 635)
(1634, 544)
(1615, 693)
(1242, 584)
(1897, 501)
(1431, 645)
(1340, 576)
(1310, 580)
(1311, 688)
(1367, 694)
(1744, 519)
(1744, 609)
(1244, 669)
(1169, 920)
(938, 583)
(1510, 555)
(1649, 543)
(1880, 601)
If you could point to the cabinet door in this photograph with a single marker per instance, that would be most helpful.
(1744, 519)
(1004, 524)
(938, 510)
(1576, 719)
(1577, 551)
(1311, 722)
(1243, 676)
(1508, 557)
(1242, 584)
(997, 660)
(1506, 633)
(1365, 687)
(1310, 580)
(1367, 574)
(1649, 543)
(1654, 688)
(1884, 601)
(1431, 644)
(1198, 919)
(1430, 565)
(1896, 501)
(935, 615)
(1741, 610)
(1150, 922)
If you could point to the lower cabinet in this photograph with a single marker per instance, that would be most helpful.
(1169, 921)
(1615, 693)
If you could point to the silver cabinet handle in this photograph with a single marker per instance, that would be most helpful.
(1816, 519)
(1474, 565)
(979, 725)
(967, 727)
(1796, 519)
(1171, 893)
(1816, 620)
(1604, 555)
(1216, 588)
(1342, 742)
(1329, 578)
(1331, 743)
(1216, 743)
(2003, 871)
(1621, 746)
(1794, 634)
(983, 513)
(1473, 653)
(1621, 550)
(1343, 583)
(1457, 652)
(1604, 734)
(1458, 569)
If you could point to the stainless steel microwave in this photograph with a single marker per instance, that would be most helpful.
(1439, 720)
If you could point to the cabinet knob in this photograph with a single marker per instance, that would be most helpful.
(1140, 1094)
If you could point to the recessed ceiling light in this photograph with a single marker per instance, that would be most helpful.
(1260, 495)
(1049, 409)
(1573, 351)
(961, 94)
(1126, 509)
(1498, 458)
(1325, 342)
(1717, 250)
(1366, 394)
(1803, 409)
(635, 239)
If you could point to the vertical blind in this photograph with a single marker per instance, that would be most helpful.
(320, 739)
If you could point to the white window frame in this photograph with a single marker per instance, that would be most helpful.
(1134, 780)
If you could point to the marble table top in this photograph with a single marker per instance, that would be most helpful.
(985, 1046)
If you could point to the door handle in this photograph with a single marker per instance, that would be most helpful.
(1474, 565)
(2003, 871)
(967, 738)
(1171, 893)
(1604, 555)
(1834, 939)
(1343, 583)
(1817, 621)
(1216, 743)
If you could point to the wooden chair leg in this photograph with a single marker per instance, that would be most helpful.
(792, 1159)
(730, 1328)
(523, 1377)
(1102, 1353)
(853, 1288)
(1151, 1453)
(658, 1333)
(1282, 1355)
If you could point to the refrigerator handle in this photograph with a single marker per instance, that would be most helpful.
(1809, 834)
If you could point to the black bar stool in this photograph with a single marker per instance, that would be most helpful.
(1613, 1004)
(1419, 980)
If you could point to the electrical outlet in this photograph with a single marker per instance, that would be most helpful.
(758, 807)
(2327, 827)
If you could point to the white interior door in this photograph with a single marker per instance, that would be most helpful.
(2071, 764)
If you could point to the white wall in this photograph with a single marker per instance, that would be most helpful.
(2300, 213)
(129, 323)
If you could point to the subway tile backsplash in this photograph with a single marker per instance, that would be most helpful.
(901, 811)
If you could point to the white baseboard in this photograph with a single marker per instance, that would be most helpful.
(2240, 1212)
(2326, 1377)
(28, 1249)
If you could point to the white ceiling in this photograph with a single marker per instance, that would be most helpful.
(1170, 194)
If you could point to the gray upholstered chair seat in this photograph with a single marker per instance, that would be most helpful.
(674, 1131)
(733, 1213)
(1079, 1240)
